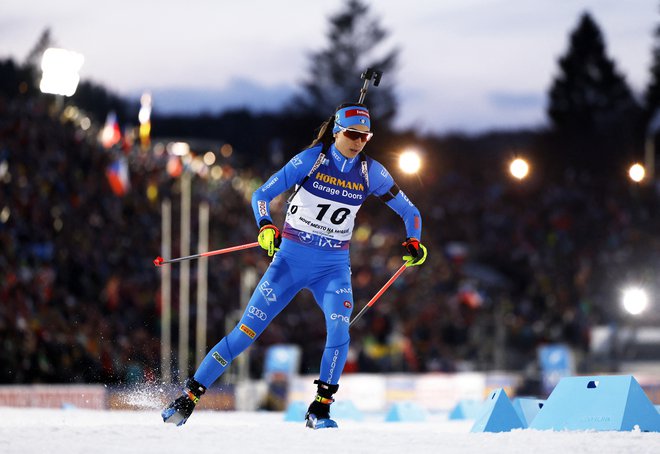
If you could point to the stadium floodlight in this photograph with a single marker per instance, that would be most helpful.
(60, 71)
(410, 162)
(636, 172)
(519, 168)
(635, 300)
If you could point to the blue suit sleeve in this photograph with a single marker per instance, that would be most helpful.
(292, 173)
(382, 185)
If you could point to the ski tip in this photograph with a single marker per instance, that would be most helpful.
(171, 416)
(326, 423)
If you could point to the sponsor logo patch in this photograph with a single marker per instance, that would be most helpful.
(339, 182)
(223, 362)
(406, 199)
(343, 318)
(247, 330)
(356, 112)
(269, 184)
(305, 237)
(296, 161)
(335, 356)
(263, 208)
(267, 292)
(327, 242)
(258, 313)
(347, 304)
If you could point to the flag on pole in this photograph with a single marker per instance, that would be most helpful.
(110, 134)
(117, 174)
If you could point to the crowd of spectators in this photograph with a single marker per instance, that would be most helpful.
(510, 266)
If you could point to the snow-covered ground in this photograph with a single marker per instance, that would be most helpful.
(74, 431)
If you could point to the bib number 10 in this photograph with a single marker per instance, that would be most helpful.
(337, 217)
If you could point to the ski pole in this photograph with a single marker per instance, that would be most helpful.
(158, 261)
(378, 295)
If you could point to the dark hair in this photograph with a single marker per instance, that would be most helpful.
(324, 134)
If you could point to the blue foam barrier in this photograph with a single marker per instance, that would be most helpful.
(601, 403)
(406, 412)
(466, 409)
(345, 409)
(295, 411)
(497, 414)
(527, 408)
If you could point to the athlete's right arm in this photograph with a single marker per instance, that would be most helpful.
(292, 173)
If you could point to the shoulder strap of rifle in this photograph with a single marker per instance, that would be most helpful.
(317, 164)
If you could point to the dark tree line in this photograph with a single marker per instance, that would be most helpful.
(595, 120)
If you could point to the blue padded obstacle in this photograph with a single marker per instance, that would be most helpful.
(296, 410)
(527, 408)
(405, 412)
(598, 403)
(466, 409)
(497, 414)
(345, 409)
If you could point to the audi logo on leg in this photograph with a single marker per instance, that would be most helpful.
(261, 315)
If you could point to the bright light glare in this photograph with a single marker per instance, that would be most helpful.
(209, 158)
(60, 71)
(178, 148)
(635, 300)
(636, 172)
(85, 123)
(144, 114)
(410, 162)
(519, 168)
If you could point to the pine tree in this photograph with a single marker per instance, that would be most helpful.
(589, 94)
(591, 106)
(334, 78)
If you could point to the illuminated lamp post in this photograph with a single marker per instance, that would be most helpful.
(182, 149)
(519, 169)
(197, 165)
(634, 301)
(410, 162)
(636, 172)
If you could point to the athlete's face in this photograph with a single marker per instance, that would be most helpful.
(349, 142)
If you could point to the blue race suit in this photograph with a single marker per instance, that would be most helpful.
(314, 251)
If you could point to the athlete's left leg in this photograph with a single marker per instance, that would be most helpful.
(334, 295)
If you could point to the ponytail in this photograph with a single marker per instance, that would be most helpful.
(324, 135)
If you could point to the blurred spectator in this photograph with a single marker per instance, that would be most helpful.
(507, 270)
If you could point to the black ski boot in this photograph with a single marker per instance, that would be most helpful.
(318, 413)
(180, 410)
